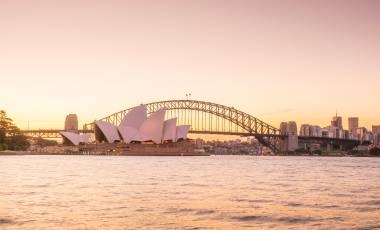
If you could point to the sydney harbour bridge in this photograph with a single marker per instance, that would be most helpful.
(208, 118)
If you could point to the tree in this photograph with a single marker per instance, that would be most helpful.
(10, 135)
(4, 125)
(43, 143)
(18, 142)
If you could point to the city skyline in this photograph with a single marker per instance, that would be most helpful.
(279, 62)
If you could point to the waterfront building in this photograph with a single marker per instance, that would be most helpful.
(375, 129)
(170, 130)
(131, 124)
(325, 132)
(152, 128)
(305, 130)
(71, 123)
(310, 130)
(334, 132)
(182, 132)
(362, 134)
(74, 138)
(353, 124)
(106, 132)
(315, 131)
(135, 117)
(376, 134)
(376, 139)
(137, 126)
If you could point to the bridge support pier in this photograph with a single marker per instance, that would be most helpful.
(290, 142)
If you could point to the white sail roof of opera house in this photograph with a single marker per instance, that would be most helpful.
(135, 117)
(129, 128)
(152, 128)
(129, 134)
(182, 131)
(137, 126)
(75, 138)
(108, 130)
(170, 130)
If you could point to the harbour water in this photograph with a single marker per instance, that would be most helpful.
(216, 192)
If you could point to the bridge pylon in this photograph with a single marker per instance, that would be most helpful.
(290, 141)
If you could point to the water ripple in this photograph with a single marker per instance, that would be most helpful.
(219, 192)
(4, 221)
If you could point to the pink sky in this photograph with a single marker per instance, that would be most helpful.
(277, 60)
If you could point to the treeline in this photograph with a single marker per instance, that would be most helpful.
(10, 135)
(375, 151)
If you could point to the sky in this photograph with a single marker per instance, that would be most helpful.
(276, 60)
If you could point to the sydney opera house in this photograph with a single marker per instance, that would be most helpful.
(136, 127)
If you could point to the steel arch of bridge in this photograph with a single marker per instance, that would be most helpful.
(250, 124)
(215, 119)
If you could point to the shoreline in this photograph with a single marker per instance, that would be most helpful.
(27, 153)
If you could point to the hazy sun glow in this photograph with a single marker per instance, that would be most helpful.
(277, 60)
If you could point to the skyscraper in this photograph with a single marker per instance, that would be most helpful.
(71, 123)
(353, 124)
(337, 122)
